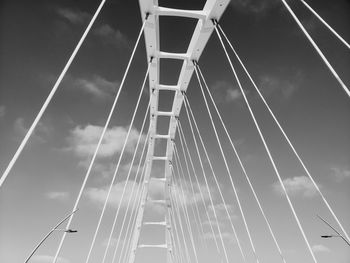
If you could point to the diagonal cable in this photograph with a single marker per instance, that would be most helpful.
(193, 192)
(285, 136)
(117, 168)
(132, 191)
(179, 219)
(326, 24)
(98, 144)
(183, 257)
(325, 60)
(226, 165)
(192, 204)
(124, 188)
(184, 208)
(242, 167)
(267, 150)
(137, 202)
(49, 98)
(215, 179)
(182, 136)
(206, 182)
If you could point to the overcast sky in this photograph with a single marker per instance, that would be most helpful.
(37, 38)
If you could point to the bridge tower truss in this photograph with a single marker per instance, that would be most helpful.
(150, 9)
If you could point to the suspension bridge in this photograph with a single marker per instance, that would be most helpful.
(191, 203)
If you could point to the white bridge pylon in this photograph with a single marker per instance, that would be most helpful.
(151, 12)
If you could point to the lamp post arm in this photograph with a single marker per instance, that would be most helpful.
(336, 231)
(48, 234)
(38, 245)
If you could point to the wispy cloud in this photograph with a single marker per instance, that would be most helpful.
(105, 32)
(98, 195)
(41, 132)
(254, 6)
(184, 194)
(223, 218)
(2, 111)
(48, 259)
(225, 92)
(298, 185)
(61, 196)
(276, 86)
(97, 86)
(111, 36)
(320, 249)
(73, 16)
(225, 235)
(83, 140)
(340, 173)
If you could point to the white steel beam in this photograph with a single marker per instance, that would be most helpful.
(213, 9)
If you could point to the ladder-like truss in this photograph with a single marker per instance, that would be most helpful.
(212, 10)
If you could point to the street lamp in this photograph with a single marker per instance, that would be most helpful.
(330, 236)
(55, 228)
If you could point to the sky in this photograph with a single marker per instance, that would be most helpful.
(37, 38)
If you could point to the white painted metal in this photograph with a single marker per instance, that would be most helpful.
(213, 9)
(153, 246)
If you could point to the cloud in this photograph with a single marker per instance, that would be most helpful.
(253, 6)
(48, 259)
(96, 85)
(61, 196)
(111, 36)
(225, 235)
(40, 133)
(298, 185)
(188, 197)
(283, 88)
(340, 173)
(2, 111)
(222, 216)
(74, 17)
(83, 140)
(225, 92)
(98, 195)
(320, 249)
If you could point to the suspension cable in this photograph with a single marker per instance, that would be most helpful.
(99, 144)
(186, 256)
(326, 24)
(132, 191)
(179, 218)
(242, 166)
(49, 98)
(127, 253)
(140, 190)
(267, 149)
(226, 165)
(192, 204)
(285, 135)
(182, 137)
(215, 178)
(125, 185)
(184, 208)
(117, 168)
(177, 248)
(206, 182)
(330, 67)
(193, 192)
